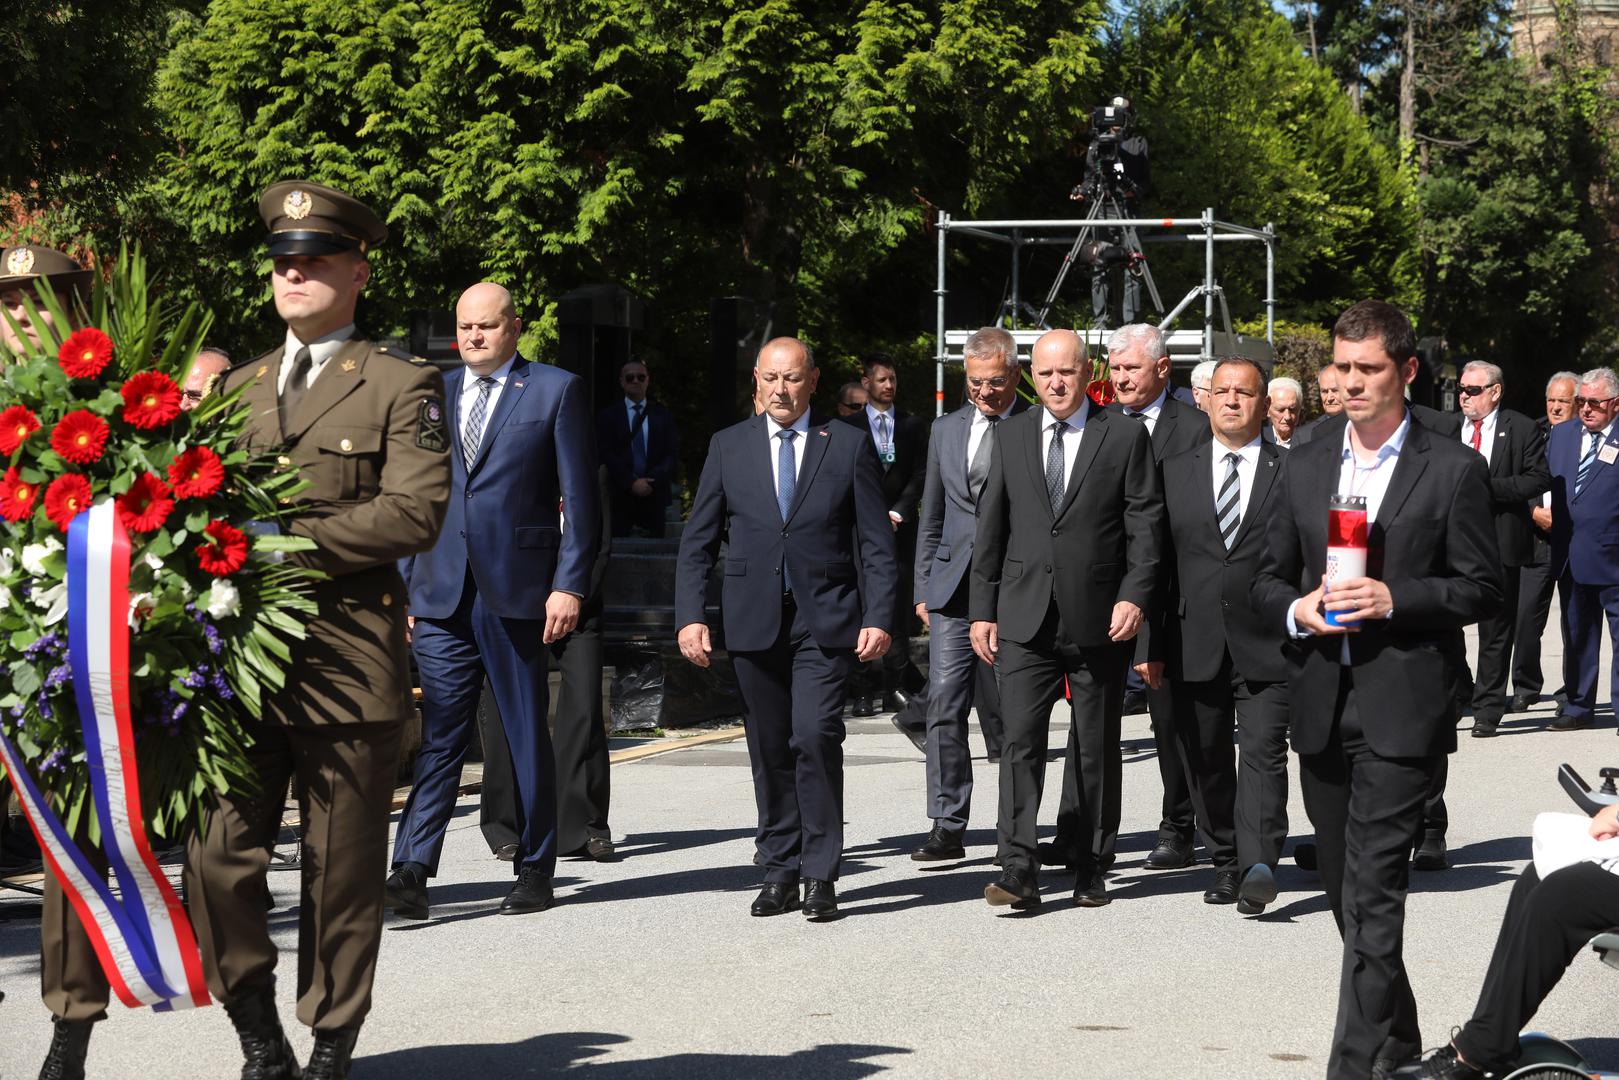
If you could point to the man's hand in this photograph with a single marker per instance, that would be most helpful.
(873, 643)
(694, 644)
(894, 521)
(561, 616)
(1605, 823)
(410, 624)
(1151, 672)
(1542, 517)
(922, 613)
(986, 639)
(641, 486)
(1125, 622)
(1307, 612)
(1359, 599)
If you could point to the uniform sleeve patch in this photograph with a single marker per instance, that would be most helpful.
(431, 433)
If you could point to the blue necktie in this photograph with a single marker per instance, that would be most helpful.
(638, 442)
(786, 485)
(1587, 463)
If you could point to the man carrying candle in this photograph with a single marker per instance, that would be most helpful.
(1369, 731)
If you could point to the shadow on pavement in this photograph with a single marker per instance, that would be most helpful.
(572, 1054)
(638, 844)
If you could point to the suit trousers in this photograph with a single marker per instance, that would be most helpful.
(1585, 607)
(454, 656)
(1241, 805)
(345, 775)
(579, 737)
(1548, 922)
(987, 704)
(1535, 584)
(1367, 811)
(72, 984)
(649, 513)
(953, 672)
(1495, 635)
(792, 702)
(1032, 674)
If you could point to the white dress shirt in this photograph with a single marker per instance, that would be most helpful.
(801, 425)
(1070, 438)
(1247, 466)
(320, 351)
(978, 429)
(872, 413)
(469, 395)
(1149, 413)
(1486, 438)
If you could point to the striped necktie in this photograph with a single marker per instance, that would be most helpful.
(1587, 462)
(475, 418)
(1228, 503)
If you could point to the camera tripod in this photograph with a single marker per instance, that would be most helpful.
(1104, 206)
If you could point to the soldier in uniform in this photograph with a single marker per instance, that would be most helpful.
(21, 268)
(366, 426)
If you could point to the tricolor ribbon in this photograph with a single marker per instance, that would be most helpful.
(141, 934)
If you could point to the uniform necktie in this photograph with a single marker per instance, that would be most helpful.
(884, 453)
(786, 486)
(1056, 473)
(475, 418)
(1478, 434)
(1228, 503)
(978, 469)
(1586, 463)
(297, 384)
(638, 441)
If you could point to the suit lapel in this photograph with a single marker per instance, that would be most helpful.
(1264, 477)
(962, 437)
(1090, 443)
(341, 376)
(516, 382)
(1413, 459)
(814, 450)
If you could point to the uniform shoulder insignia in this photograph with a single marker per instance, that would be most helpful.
(273, 356)
(397, 354)
(431, 431)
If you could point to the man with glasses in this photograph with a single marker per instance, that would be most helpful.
(1536, 581)
(1516, 453)
(638, 443)
(209, 365)
(851, 399)
(1584, 459)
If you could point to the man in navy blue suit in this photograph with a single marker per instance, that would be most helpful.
(1584, 460)
(504, 581)
(808, 589)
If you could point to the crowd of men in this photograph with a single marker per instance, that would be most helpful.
(1056, 550)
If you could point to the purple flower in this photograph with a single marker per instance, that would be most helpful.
(194, 680)
(211, 632)
(44, 705)
(221, 688)
(60, 674)
(55, 761)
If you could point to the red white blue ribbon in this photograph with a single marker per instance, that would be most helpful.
(140, 934)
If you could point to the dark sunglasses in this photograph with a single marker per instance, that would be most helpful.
(1474, 391)
(635, 378)
(1591, 402)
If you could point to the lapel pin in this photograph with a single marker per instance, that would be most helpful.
(823, 433)
(349, 365)
(517, 383)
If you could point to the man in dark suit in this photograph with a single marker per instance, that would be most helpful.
(808, 589)
(1065, 562)
(1516, 453)
(503, 582)
(1536, 581)
(1286, 408)
(583, 777)
(1368, 759)
(637, 441)
(1584, 460)
(960, 451)
(1224, 666)
(901, 444)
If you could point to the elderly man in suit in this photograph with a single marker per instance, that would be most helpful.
(1536, 581)
(1584, 460)
(960, 451)
(1065, 564)
(1369, 730)
(1286, 409)
(503, 582)
(808, 590)
(1223, 664)
(1515, 451)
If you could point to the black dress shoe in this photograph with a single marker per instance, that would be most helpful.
(405, 894)
(1520, 702)
(596, 849)
(942, 845)
(1258, 888)
(1090, 889)
(333, 1051)
(1446, 1064)
(919, 738)
(1430, 854)
(1135, 702)
(1484, 729)
(1172, 853)
(895, 701)
(820, 900)
(70, 1043)
(1304, 857)
(1567, 722)
(532, 893)
(1016, 889)
(1053, 854)
(266, 1053)
(776, 898)
(1224, 890)
(506, 853)
(863, 707)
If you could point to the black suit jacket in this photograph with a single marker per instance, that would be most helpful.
(1433, 543)
(837, 539)
(1518, 476)
(1180, 426)
(662, 447)
(903, 480)
(1331, 428)
(1102, 546)
(1208, 610)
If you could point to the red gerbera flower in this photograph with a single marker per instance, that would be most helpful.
(68, 495)
(196, 473)
(79, 437)
(85, 353)
(16, 497)
(1100, 391)
(150, 399)
(16, 424)
(146, 505)
(225, 551)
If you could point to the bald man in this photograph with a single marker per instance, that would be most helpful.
(206, 369)
(504, 581)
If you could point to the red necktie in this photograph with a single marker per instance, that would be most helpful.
(1478, 433)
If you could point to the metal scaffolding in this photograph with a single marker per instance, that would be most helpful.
(1206, 230)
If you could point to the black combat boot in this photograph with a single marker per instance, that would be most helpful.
(266, 1053)
(330, 1058)
(69, 1043)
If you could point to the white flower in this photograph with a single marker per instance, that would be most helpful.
(222, 600)
(8, 562)
(54, 599)
(140, 606)
(5, 597)
(33, 555)
(152, 561)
